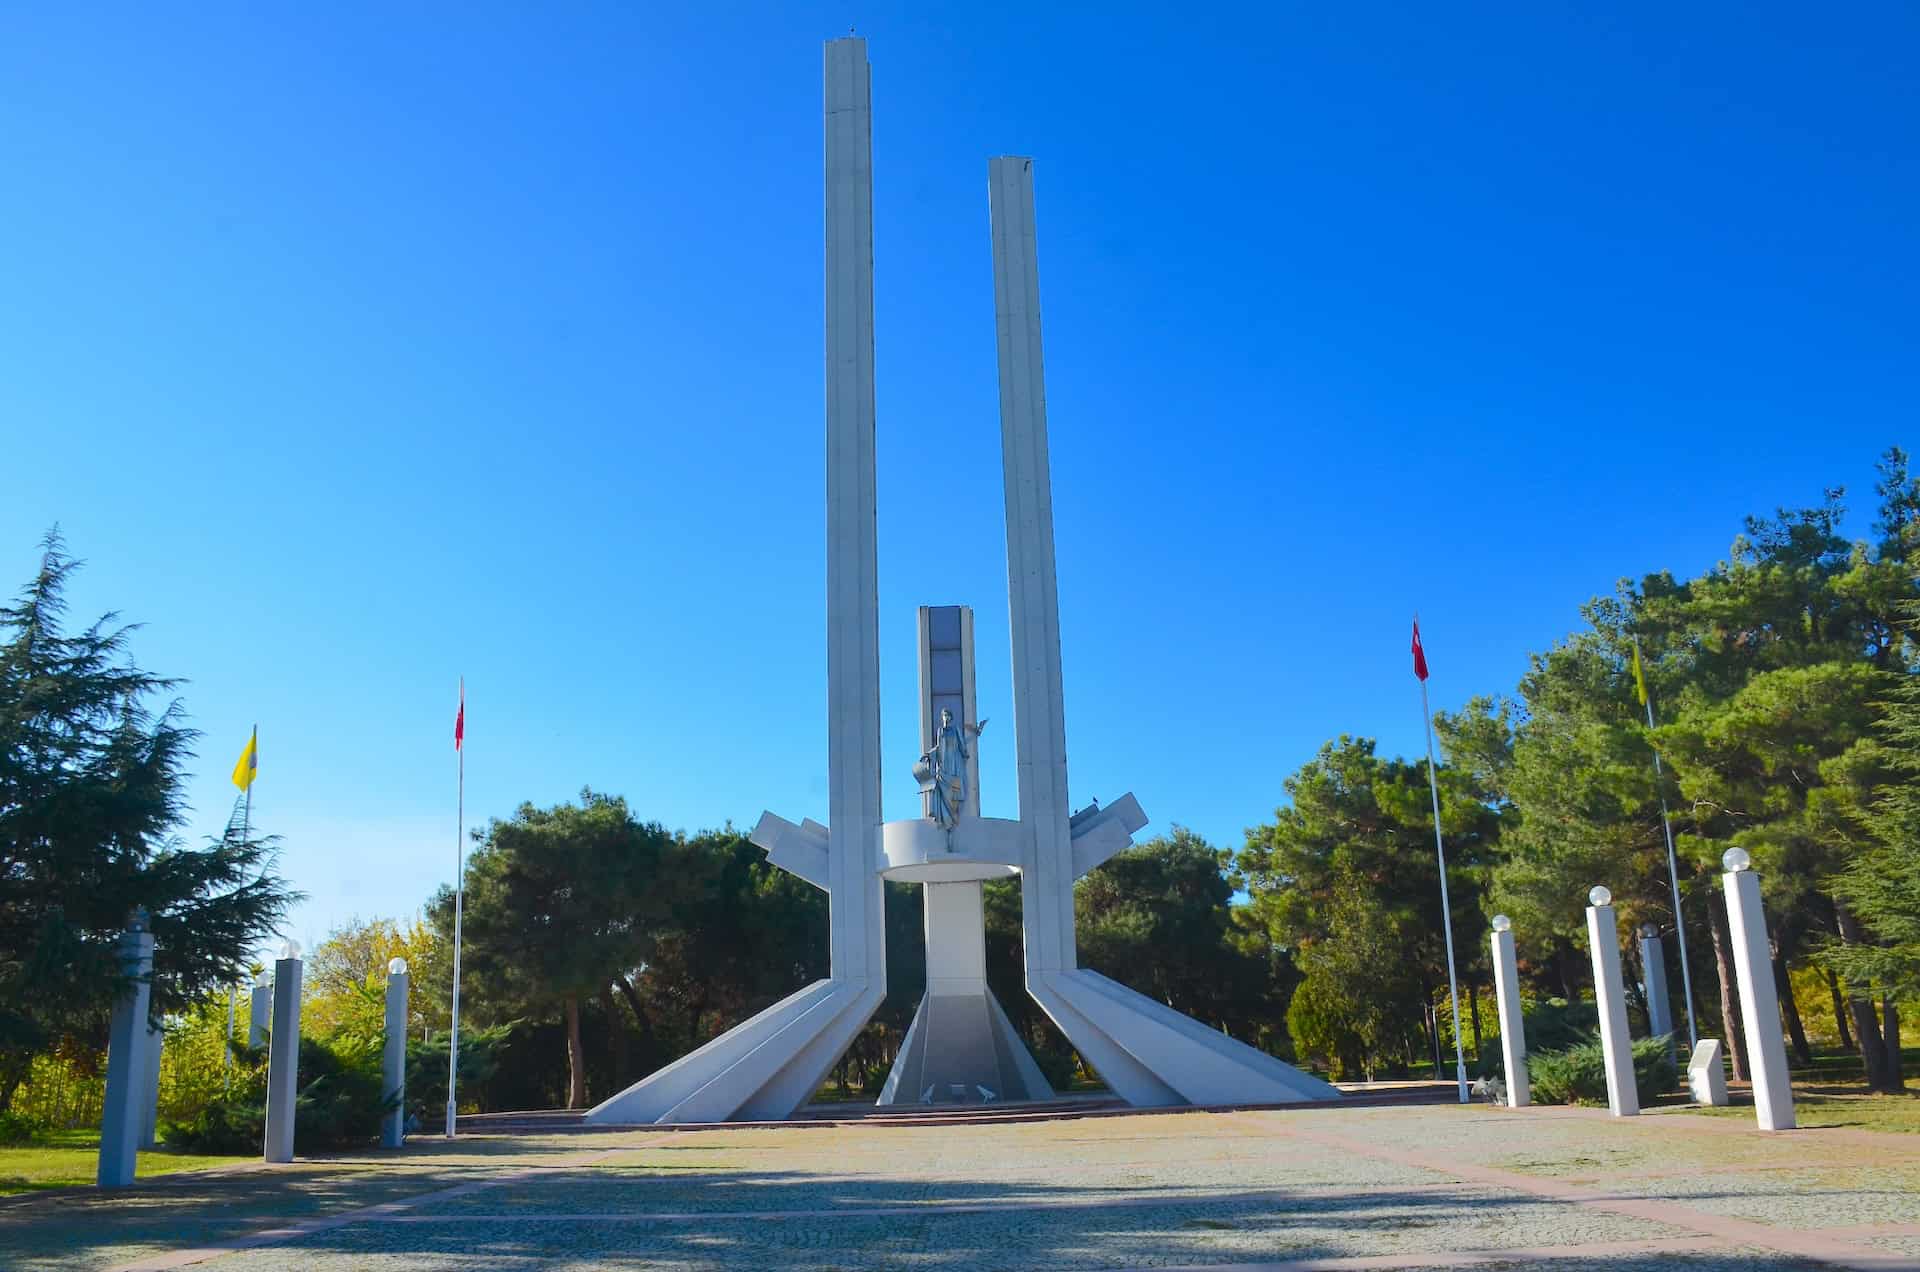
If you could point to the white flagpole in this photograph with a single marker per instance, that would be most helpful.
(459, 905)
(1446, 909)
(1673, 872)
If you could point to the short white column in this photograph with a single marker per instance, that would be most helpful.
(1513, 1029)
(1610, 996)
(1759, 1000)
(283, 1056)
(393, 1127)
(1653, 964)
(127, 1043)
(150, 1091)
(259, 1012)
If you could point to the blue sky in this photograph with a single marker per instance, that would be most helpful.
(358, 348)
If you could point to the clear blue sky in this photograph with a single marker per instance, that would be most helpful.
(359, 347)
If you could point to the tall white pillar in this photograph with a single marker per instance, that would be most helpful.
(1653, 965)
(1759, 999)
(1039, 709)
(259, 1011)
(853, 588)
(127, 1044)
(1513, 1027)
(283, 1057)
(1610, 996)
(393, 1127)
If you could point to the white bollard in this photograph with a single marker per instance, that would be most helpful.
(259, 1011)
(1759, 1001)
(1513, 1030)
(127, 1042)
(1610, 996)
(283, 1056)
(393, 1127)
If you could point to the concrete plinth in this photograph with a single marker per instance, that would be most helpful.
(283, 1060)
(1759, 1002)
(1707, 1073)
(128, 1041)
(393, 1126)
(1513, 1027)
(1610, 995)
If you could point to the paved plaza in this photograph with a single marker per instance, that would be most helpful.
(1424, 1186)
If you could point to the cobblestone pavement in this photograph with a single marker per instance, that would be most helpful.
(1291, 1189)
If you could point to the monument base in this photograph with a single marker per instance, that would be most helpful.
(962, 1049)
(760, 1070)
(1152, 1056)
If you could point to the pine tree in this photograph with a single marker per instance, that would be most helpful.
(91, 803)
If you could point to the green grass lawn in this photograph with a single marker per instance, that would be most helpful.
(67, 1158)
(1818, 1104)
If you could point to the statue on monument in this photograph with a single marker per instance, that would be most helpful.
(942, 770)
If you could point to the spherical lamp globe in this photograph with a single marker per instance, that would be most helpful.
(291, 949)
(1601, 895)
(1736, 859)
(1502, 923)
(397, 967)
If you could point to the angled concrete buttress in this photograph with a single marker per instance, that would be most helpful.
(771, 1064)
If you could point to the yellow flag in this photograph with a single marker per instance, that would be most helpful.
(249, 765)
(1639, 677)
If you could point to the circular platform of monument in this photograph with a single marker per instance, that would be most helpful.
(924, 851)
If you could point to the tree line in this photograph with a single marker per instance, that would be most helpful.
(600, 945)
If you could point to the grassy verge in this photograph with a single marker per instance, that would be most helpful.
(68, 1158)
(1824, 1104)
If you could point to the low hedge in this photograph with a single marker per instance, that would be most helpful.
(1578, 1074)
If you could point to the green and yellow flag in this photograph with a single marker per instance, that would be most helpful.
(249, 766)
(1639, 676)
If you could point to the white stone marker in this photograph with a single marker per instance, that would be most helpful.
(1610, 996)
(1513, 1029)
(259, 1011)
(1653, 964)
(127, 1043)
(283, 1059)
(1707, 1074)
(1759, 1001)
(393, 1127)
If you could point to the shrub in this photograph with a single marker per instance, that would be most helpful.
(1578, 1075)
(339, 1104)
(20, 1128)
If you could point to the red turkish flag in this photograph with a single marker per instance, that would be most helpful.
(1419, 654)
(460, 721)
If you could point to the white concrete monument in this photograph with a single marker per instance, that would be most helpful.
(1513, 1027)
(393, 1126)
(770, 1065)
(1759, 1000)
(123, 1109)
(1610, 996)
(283, 1055)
